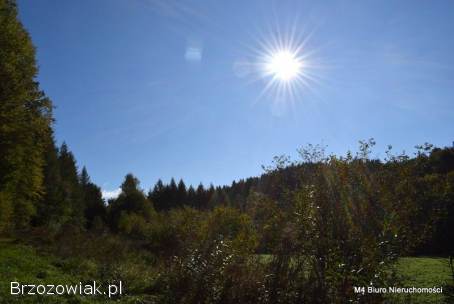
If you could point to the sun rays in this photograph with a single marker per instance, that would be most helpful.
(285, 64)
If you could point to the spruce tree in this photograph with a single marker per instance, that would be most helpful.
(95, 209)
(72, 192)
(51, 212)
(155, 196)
(182, 193)
(201, 201)
(191, 197)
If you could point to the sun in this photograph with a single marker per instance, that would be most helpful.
(283, 65)
(284, 62)
(287, 64)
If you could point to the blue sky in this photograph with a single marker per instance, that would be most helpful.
(172, 88)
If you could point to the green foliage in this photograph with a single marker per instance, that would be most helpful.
(171, 196)
(72, 199)
(335, 223)
(50, 211)
(211, 259)
(238, 282)
(68, 196)
(131, 211)
(25, 119)
(6, 210)
(268, 219)
(95, 210)
(23, 264)
(424, 272)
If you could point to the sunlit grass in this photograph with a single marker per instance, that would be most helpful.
(417, 272)
(22, 264)
(424, 272)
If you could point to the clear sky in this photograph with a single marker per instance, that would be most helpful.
(176, 89)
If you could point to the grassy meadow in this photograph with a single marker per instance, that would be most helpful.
(24, 264)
